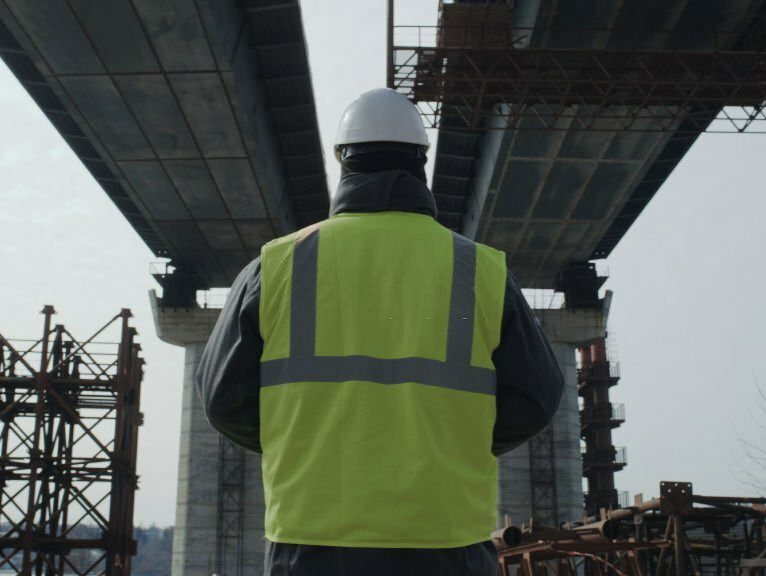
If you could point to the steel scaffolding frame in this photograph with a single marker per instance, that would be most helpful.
(474, 68)
(542, 475)
(598, 417)
(69, 418)
(231, 509)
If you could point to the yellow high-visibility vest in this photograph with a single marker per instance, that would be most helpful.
(377, 385)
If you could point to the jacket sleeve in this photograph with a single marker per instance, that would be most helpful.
(529, 380)
(228, 377)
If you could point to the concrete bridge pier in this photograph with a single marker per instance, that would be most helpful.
(219, 524)
(543, 477)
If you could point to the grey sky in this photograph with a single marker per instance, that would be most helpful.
(688, 313)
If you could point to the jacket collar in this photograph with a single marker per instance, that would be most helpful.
(381, 191)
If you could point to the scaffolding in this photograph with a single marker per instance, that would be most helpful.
(598, 417)
(542, 475)
(69, 418)
(476, 71)
(231, 509)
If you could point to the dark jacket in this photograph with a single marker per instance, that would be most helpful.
(529, 381)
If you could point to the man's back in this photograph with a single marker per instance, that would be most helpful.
(380, 363)
(378, 384)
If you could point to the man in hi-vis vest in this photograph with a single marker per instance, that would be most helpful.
(380, 363)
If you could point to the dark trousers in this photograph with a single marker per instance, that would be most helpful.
(309, 560)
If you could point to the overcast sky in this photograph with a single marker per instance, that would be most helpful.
(688, 313)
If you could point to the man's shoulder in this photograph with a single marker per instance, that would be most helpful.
(493, 253)
(293, 237)
(490, 262)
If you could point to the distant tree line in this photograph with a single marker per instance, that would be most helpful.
(753, 471)
(155, 546)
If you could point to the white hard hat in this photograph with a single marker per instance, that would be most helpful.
(381, 115)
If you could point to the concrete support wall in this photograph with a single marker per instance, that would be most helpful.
(194, 540)
(566, 329)
(566, 439)
(196, 529)
(514, 495)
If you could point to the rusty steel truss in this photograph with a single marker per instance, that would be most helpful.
(677, 534)
(69, 418)
(475, 71)
(598, 417)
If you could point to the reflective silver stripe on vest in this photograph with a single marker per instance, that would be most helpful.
(462, 299)
(303, 365)
(378, 370)
(303, 295)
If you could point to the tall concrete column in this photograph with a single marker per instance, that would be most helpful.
(566, 439)
(543, 477)
(198, 518)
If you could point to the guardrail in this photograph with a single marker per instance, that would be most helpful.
(214, 298)
(541, 299)
(593, 369)
(602, 413)
(618, 455)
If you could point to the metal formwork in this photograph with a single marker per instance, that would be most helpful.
(69, 418)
